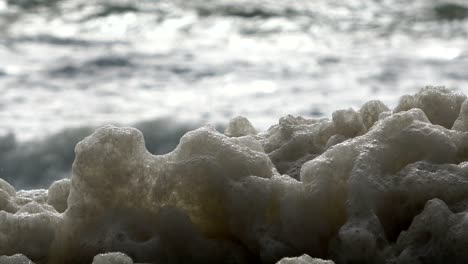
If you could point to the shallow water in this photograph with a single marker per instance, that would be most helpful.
(71, 63)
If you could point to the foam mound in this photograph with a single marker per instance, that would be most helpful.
(368, 186)
(112, 258)
(304, 259)
(15, 259)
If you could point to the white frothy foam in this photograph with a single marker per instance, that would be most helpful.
(368, 186)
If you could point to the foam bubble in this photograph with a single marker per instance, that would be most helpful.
(240, 126)
(58, 194)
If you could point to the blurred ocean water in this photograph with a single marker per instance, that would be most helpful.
(69, 63)
(75, 63)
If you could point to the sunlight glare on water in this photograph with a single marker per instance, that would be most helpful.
(75, 62)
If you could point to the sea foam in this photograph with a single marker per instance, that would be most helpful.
(367, 186)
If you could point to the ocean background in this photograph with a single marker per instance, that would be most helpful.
(68, 66)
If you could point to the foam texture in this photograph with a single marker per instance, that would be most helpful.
(15, 259)
(368, 186)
